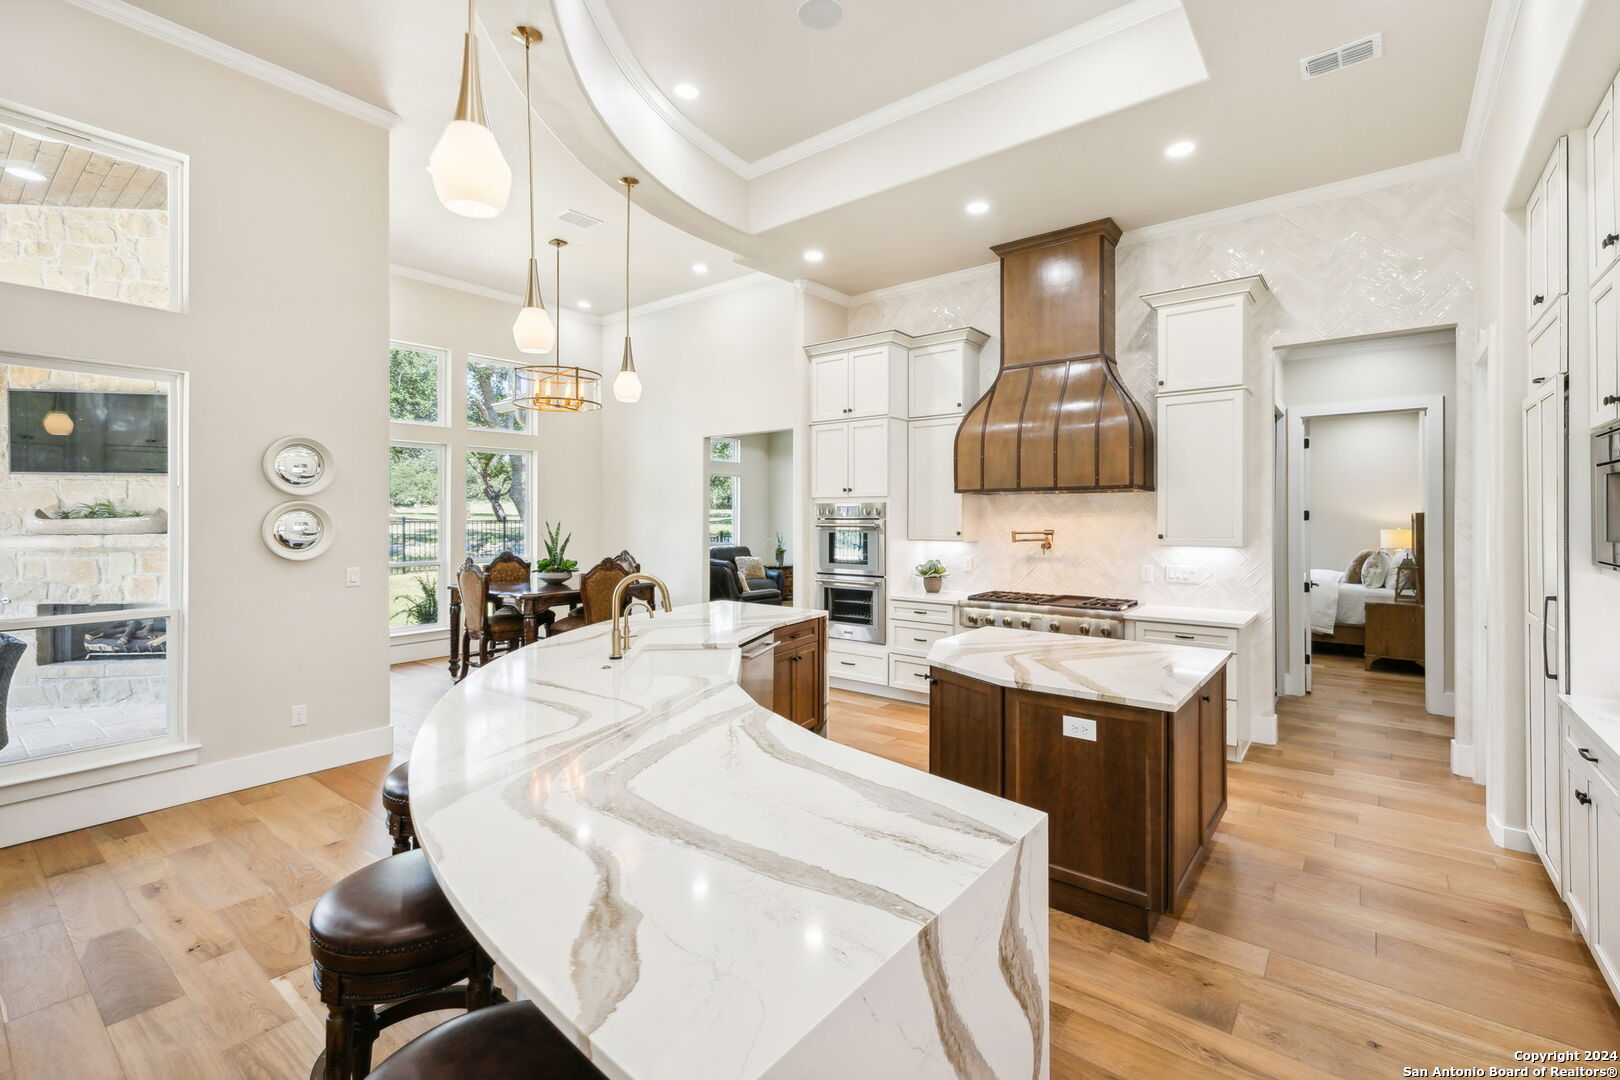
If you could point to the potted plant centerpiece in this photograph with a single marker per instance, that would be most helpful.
(933, 574)
(556, 566)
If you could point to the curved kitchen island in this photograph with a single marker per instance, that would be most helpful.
(691, 886)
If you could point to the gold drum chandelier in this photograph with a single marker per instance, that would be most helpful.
(556, 387)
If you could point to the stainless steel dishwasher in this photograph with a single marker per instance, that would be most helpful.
(758, 676)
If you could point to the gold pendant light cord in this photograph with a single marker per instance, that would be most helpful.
(627, 188)
(528, 127)
(556, 356)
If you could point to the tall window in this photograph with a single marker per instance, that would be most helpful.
(724, 494)
(415, 526)
(90, 609)
(416, 376)
(95, 215)
(490, 386)
(497, 503)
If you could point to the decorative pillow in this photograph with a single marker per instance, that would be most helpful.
(1352, 576)
(750, 567)
(1375, 570)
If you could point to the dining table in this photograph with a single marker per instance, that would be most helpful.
(530, 598)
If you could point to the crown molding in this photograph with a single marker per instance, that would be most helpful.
(1403, 174)
(1493, 53)
(1398, 339)
(970, 334)
(411, 273)
(753, 277)
(906, 288)
(1003, 67)
(143, 21)
(1253, 286)
(816, 288)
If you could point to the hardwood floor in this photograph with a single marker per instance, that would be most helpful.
(1354, 919)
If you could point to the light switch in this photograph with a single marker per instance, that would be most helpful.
(1078, 727)
(352, 576)
(1147, 572)
(1181, 575)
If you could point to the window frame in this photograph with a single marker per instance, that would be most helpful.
(443, 609)
(173, 164)
(525, 511)
(735, 441)
(466, 395)
(442, 383)
(20, 780)
(735, 511)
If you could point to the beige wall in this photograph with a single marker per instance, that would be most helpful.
(284, 333)
(1365, 477)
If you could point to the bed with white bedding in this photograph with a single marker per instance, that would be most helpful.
(1339, 609)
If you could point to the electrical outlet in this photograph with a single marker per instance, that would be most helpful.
(351, 577)
(1181, 575)
(300, 715)
(1078, 727)
(1147, 572)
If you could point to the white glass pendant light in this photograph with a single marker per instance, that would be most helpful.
(469, 174)
(627, 384)
(553, 387)
(533, 332)
(57, 421)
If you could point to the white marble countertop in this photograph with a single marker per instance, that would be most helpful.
(1232, 618)
(913, 591)
(1142, 674)
(690, 886)
(1600, 715)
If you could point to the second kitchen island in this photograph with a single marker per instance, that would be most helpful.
(1122, 743)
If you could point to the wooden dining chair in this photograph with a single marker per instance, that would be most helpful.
(505, 572)
(596, 587)
(501, 627)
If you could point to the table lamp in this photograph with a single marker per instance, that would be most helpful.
(1406, 572)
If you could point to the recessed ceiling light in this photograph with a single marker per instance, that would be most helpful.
(24, 171)
(686, 91)
(813, 255)
(583, 305)
(1180, 148)
(977, 206)
(700, 268)
(820, 14)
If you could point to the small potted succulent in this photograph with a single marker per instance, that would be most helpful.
(556, 566)
(933, 574)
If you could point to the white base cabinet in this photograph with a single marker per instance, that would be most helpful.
(1589, 808)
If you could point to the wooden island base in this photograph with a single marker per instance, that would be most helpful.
(1133, 798)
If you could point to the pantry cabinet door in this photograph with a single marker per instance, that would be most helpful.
(1602, 192)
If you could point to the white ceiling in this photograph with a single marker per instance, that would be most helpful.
(767, 82)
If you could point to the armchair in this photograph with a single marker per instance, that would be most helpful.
(723, 583)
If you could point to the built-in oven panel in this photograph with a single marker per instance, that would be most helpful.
(854, 608)
(850, 548)
(1606, 499)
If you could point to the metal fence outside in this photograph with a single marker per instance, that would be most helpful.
(414, 541)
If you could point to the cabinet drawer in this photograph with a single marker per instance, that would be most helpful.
(857, 666)
(1606, 768)
(792, 635)
(916, 639)
(1207, 637)
(923, 611)
(907, 674)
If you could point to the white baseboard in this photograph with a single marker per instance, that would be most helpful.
(1263, 729)
(1505, 836)
(1462, 759)
(406, 652)
(882, 690)
(79, 809)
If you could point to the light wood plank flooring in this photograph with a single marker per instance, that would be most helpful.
(1354, 919)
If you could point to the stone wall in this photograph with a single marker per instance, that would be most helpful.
(88, 250)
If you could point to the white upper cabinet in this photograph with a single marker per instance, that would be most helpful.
(1203, 334)
(1603, 313)
(934, 509)
(945, 372)
(1602, 190)
(1549, 353)
(829, 461)
(851, 460)
(1546, 218)
(869, 458)
(857, 378)
(1201, 468)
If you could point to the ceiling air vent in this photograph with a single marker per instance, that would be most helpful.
(578, 219)
(1323, 63)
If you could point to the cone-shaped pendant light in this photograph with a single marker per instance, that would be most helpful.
(533, 331)
(627, 384)
(470, 176)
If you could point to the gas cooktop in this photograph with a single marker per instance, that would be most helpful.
(1053, 600)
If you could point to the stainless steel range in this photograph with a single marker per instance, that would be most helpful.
(1057, 613)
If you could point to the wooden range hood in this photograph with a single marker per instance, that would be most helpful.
(1057, 417)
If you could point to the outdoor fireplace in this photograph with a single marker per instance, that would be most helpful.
(124, 639)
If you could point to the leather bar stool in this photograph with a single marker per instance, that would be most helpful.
(387, 946)
(396, 799)
(506, 1042)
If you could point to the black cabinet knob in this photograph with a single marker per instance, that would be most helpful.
(1611, 239)
(1583, 798)
(1205, 697)
(1536, 300)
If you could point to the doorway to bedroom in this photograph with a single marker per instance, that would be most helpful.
(1366, 519)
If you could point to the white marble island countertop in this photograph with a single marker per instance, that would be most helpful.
(690, 886)
(1145, 675)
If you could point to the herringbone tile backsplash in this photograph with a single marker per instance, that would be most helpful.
(1397, 258)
